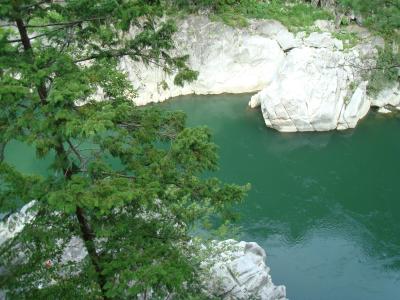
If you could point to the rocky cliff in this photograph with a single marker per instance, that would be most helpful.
(307, 82)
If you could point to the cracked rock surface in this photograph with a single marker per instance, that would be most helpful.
(239, 271)
(229, 60)
(306, 82)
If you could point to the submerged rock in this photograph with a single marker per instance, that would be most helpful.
(384, 110)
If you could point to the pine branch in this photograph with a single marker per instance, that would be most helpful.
(66, 24)
(76, 152)
(34, 37)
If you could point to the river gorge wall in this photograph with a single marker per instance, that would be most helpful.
(304, 82)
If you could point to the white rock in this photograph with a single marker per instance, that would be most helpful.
(356, 109)
(325, 25)
(255, 101)
(16, 222)
(307, 93)
(304, 80)
(238, 271)
(384, 110)
(276, 31)
(323, 40)
(312, 86)
(229, 60)
(74, 251)
(389, 96)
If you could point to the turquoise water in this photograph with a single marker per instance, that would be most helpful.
(325, 206)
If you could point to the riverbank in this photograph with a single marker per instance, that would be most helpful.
(307, 81)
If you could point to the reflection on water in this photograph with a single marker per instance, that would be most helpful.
(325, 206)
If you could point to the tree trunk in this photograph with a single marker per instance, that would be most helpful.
(2, 147)
(88, 236)
(87, 233)
(41, 88)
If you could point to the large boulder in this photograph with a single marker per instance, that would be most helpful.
(318, 87)
(237, 270)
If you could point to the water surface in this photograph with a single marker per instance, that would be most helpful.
(325, 206)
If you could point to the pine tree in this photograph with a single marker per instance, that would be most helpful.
(125, 179)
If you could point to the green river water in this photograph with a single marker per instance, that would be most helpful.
(325, 206)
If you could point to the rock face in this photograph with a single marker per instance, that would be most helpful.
(312, 92)
(388, 99)
(313, 89)
(238, 271)
(16, 222)
(234, 270)
(228, 60)
(307, 83)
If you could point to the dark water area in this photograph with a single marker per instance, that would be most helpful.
(325, 206)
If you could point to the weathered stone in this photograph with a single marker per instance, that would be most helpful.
(16, 222)
(229, 60)
(239, 271)
(325, 25)
(312, 89)
(323, 40)
(305, 80)
(387, 97)
(276, 31)
(356, 109)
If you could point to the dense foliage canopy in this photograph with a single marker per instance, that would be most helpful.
(125, 179)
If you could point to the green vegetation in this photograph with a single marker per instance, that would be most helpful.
(386, 71)
(350, 39)
(294, 14)
(135, 220)
(382, 16)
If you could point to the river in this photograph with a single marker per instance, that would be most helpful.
(325, 206)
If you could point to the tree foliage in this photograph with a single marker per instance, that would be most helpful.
(126, 179)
